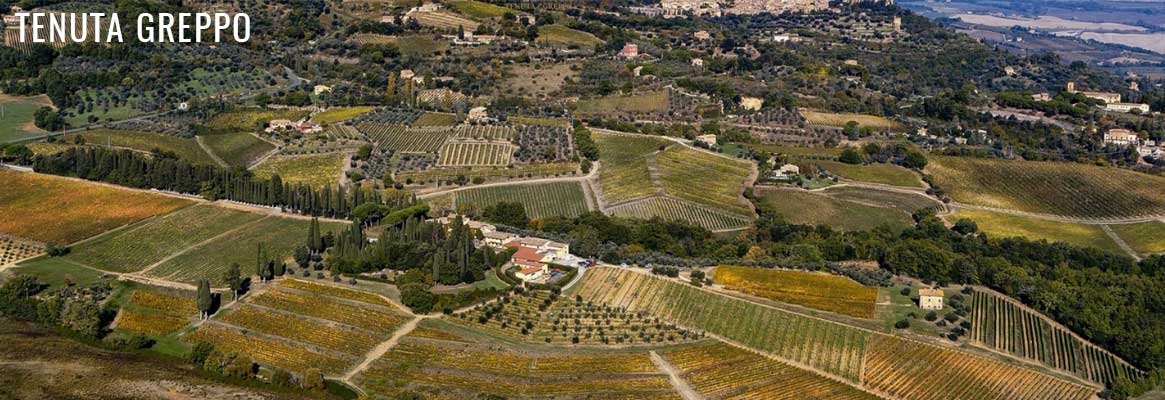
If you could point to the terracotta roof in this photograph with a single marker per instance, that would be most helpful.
(530, 270)
(930, 292)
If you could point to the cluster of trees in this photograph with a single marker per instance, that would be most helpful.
(899, 153)
(78, 309)
(128, 168)
(240, 367)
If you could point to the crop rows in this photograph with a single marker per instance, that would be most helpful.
(626, 172)
(528, 171)
(333, 291)
(816, 290)
(1006, 326)
(721, 180)
(266, 351)
(389, 116)
(486, 132)
(444, 21)
(137, 247)
(459, 371)
(50, 209)
(369, 318)
(331, 337)
(824, 345)
(149, 323)
(13, 249)
(251, 120)
(562, 199)
(1068, 189)
(912, 370)
(156, 314)
(278, 236)
(465, 154)
(678, 210)
(409, 140)
(897, 367)
(718, 370)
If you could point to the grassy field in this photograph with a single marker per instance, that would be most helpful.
(1067, 189)
(841, 119)
(238, 149)
(186, 148)
(279, 237)
(317, 170)
(806, 208)
(560, 35)
(16, 116)
(796, 150)
(1144, 238)
(59, 210)
(143, 244)
(906, 202)
(886, 174)
(654, 102)
(818, 290)
(563, 199)
(1003, 225)
(57, 272)
(480, 10)
(340, 114)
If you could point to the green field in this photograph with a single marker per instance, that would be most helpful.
(1067, 189)
(317, 170)
(414, 45)
(841, 119)
(186, 148)
(558, 199)
(138, 246)
(279, 236)
(886, 174)
(906, 202)
(1144, 238)
(340, 114)
(654, 102)
(238, 149)
(16, 117)
(626, 159)
(436, 119)
(559, 35)
(1003, 225)
(56, 272)
(480, 10)
(805, 208)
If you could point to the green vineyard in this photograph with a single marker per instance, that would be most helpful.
(466, 154)
(898, 367)
(405, 139)
(828, 346)
(1068, 189)
(541, 200)
(678, 210)
(720, 371)
(1003, 325)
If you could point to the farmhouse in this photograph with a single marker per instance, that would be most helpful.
(1108, 98)
(708, 139)
(702, 35)
(478, 114)
(930, 299)
(529, 272)
(630, 52)
(497, 239)
(1041, 97)
(1127, 107)
(1121, 137)
(751, 103)
(321, 89)
(697, 62)
(787, 172)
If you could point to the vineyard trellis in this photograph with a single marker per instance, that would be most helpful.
(561, 199)
(1003, 325)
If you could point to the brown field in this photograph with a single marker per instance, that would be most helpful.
(52, 209)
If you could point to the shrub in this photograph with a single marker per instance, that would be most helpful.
(931, 316)
(902, 324)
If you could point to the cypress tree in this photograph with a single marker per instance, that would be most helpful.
(205, 299)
